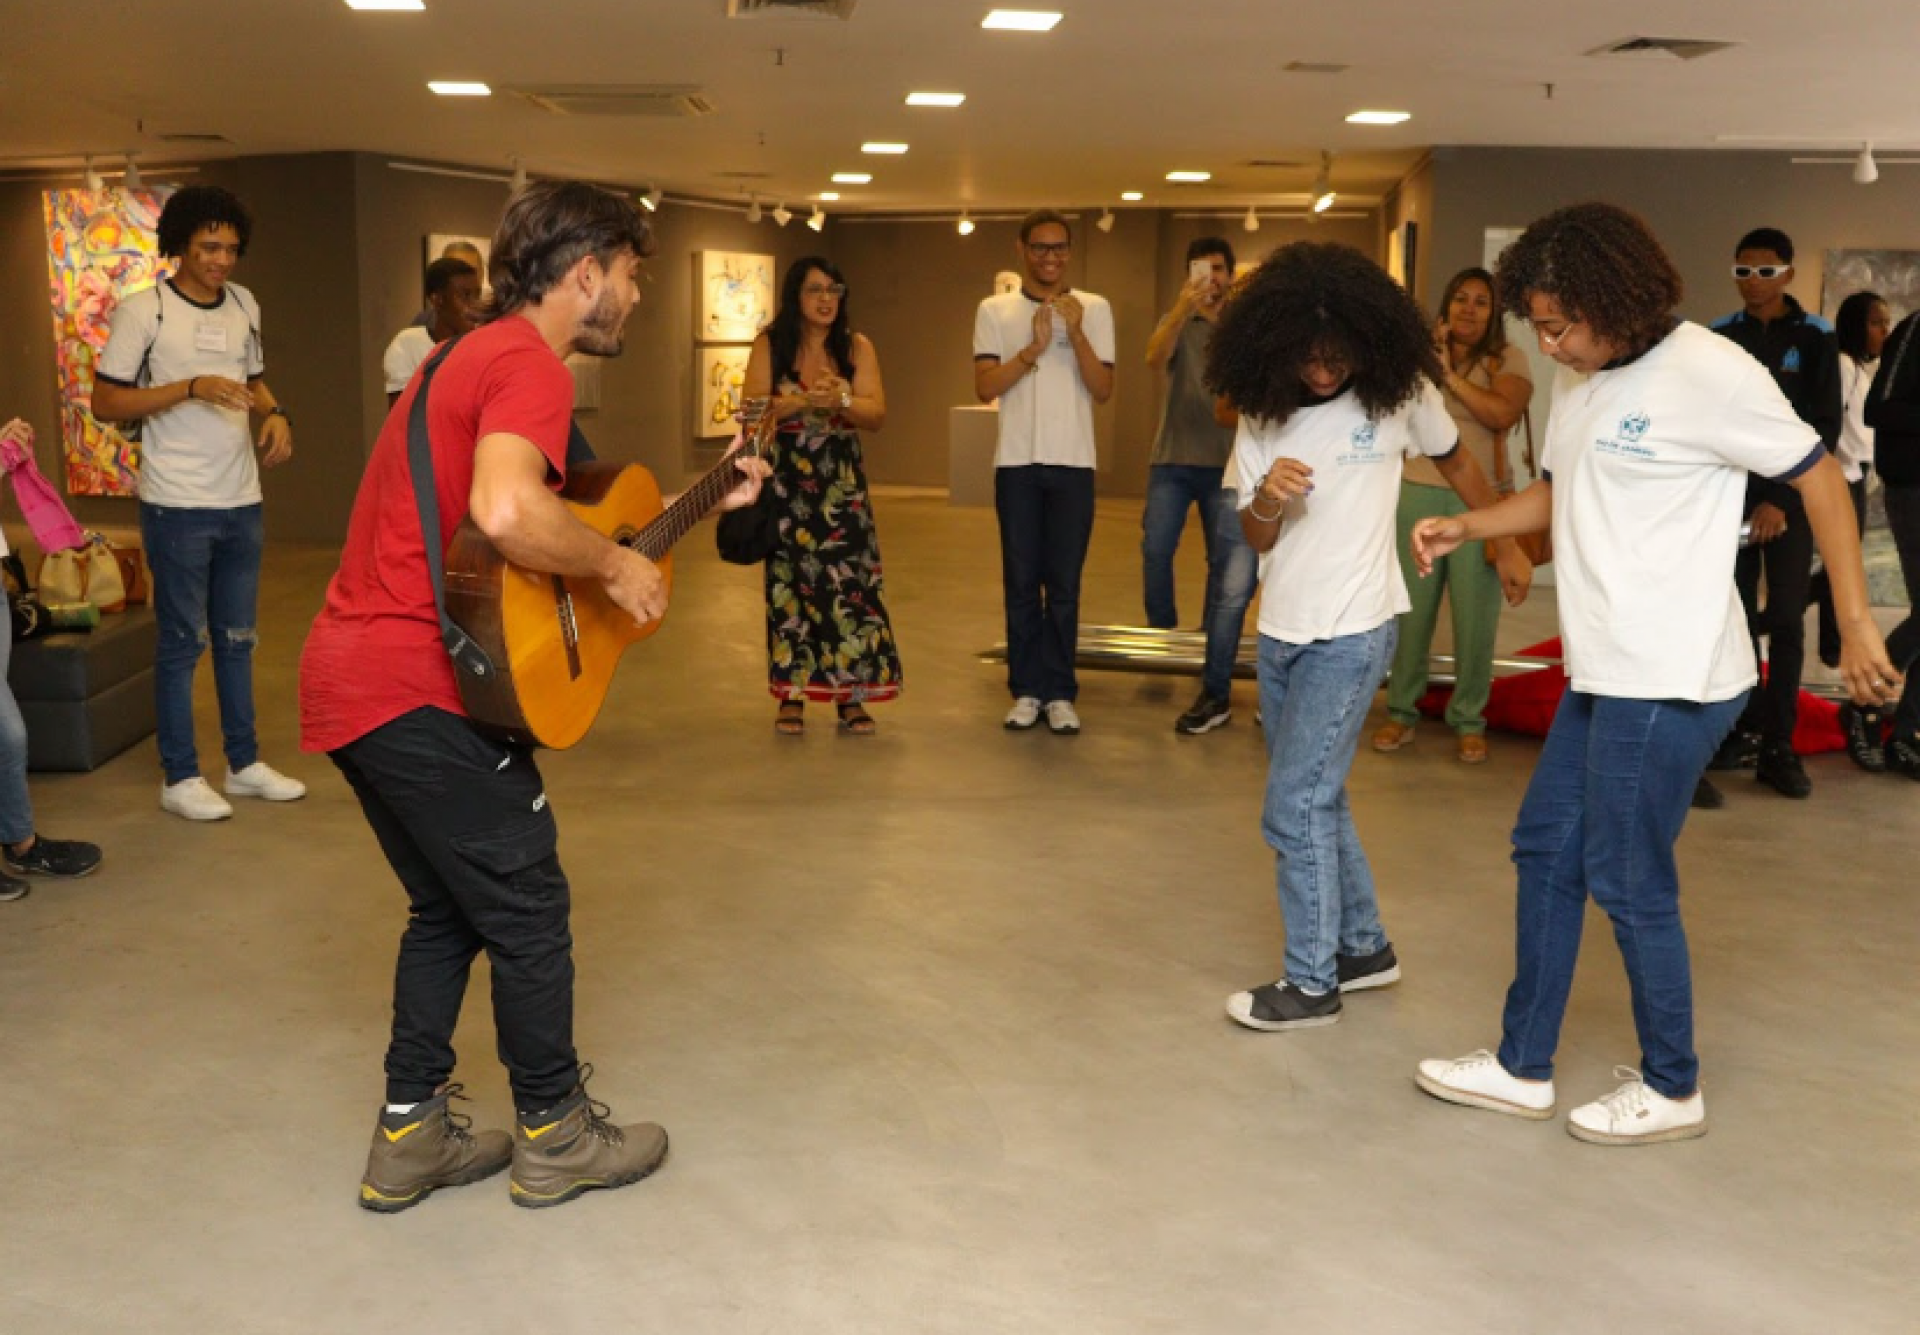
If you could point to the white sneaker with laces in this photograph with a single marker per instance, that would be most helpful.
(1638, 1114)
(1024, 714)
(1061, 719)
(264, 781)
(1478, 1080)
(194, 799)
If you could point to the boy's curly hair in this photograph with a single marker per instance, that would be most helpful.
(1604, 268)
(188, 212)
(1315, 300)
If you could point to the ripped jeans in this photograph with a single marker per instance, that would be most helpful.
(206, 590)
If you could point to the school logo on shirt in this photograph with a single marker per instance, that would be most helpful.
(1627, 436)
(1791, 362)
(1633, 426)
(1364, 435)
(1362, 447)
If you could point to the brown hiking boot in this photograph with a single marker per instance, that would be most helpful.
(416, 1153)
(571, 1148)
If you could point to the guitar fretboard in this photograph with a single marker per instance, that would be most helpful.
(677, 520)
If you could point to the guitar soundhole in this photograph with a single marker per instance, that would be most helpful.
(569, 625)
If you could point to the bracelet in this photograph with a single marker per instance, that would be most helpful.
(1254, 509)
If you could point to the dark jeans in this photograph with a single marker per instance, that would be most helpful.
(1822, 590)
(466, 826)
(206, 588)
(1232, 566)
(1046, 521)
(1601, 816)
(1787, 563)
(1903, 645)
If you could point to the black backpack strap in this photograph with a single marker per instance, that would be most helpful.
(468, 657)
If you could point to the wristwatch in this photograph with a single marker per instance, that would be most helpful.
(846, 399)
(278, 411)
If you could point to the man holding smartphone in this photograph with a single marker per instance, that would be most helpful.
(1189, 460)
(1046, 352)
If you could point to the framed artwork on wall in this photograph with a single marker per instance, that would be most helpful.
(719, 375)
(586, 382)
(437, 243)
(733, 295)
(1894, 274)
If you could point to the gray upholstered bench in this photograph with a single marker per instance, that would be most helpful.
(86, 695)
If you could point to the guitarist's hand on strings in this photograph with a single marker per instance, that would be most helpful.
(635, 585)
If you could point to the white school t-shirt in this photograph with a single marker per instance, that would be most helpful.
(194, 455)
(1047, 416)
(1649, 466)
(1333, 570)
(409, 348)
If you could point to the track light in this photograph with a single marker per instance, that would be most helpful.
(92, 180)
(1105, 223)
(964, 226)
(1865, 170)
(818, 222)
(781, 214)
(518, 182)
(1252, 221)
(130, 179)
(651, 199)
(1323, 195)
(753, 210)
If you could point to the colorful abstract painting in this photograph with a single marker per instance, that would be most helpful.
(720, 375)
(735, 295)
(100, 246)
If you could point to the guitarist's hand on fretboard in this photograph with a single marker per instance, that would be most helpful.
(755, 471)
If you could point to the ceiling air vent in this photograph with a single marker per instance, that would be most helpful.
(189, 137)
(1282, 163)
(791, 9)
(1659, 48)
(618, 99)
(1312, 67)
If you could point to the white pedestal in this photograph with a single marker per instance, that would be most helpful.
(973, 432)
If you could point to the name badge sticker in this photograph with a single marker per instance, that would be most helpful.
(210, 338)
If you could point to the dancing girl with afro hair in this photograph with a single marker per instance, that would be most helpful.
(1319, 302)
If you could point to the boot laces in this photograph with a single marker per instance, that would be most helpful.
(598, 1113)
(459, 1125)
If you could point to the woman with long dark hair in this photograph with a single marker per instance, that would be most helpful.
(1333, 369)
(1656, 425)
(1486, 386)
(828, 637)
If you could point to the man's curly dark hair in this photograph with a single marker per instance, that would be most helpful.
(1315, 300)
(188, 212)
(1604, 268)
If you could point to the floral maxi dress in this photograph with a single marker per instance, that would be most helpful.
(828, 637)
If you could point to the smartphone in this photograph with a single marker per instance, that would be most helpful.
(1200, 271)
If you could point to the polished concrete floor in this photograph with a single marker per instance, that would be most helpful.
(935, 1021)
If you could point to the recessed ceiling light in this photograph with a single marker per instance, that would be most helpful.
(1192, 178)
(1021, 20)
(894, 150)
(459, 88)
(386, 4)
(1379, 117)
(935, 99)
(852, 178)
(829, 196)
(1132, 196)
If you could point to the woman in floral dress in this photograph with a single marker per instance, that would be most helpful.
(828, 637)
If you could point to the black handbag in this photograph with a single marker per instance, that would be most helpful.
(751, 534)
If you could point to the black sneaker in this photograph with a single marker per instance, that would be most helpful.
(1903, 756)
(1780, 769)
(1360, 972)
(1741, 750)
(1204, 715)
(55, 857)
(12, 888)
(1284, 1006)
(1706, 797)
(1862, 729)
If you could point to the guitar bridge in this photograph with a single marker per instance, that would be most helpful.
(569, 625)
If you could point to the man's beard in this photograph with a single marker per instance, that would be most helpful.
(601, 333)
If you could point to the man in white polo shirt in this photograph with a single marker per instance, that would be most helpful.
(184, 358)
(1046, 352)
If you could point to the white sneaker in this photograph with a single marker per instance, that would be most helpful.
(1638, 1114)
(262, 780)
(1061, 720)
(1024, 714)
(1478, 1080)
(195, 799)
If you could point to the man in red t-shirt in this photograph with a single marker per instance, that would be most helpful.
(464, 820)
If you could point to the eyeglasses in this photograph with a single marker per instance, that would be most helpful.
(830, 290)
(1552, 341)
(1746, 271)
(1044, 248)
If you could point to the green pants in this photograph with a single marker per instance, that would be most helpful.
(1472, 588)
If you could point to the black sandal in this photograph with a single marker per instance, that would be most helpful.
(791, 719)
(856, 720)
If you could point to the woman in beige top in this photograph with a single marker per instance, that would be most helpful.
(1487, 387)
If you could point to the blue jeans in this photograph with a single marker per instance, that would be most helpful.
(1046, 521)
(16, 809)
(1601, 816)
(206, 588)
(1313, 702)
(1232, 566)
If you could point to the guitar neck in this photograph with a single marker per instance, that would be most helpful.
(677, 520)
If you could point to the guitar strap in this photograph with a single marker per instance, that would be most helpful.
(468, 657)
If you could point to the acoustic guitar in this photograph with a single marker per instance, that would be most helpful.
(554, 642)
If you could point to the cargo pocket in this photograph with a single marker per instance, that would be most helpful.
(522, 857)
